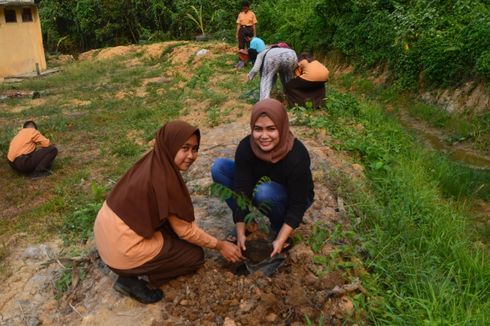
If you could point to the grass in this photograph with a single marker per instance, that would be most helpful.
(469, 126)
(425, 265)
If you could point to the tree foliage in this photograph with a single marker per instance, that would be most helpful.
(424, 43)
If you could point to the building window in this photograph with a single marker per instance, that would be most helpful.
(26, 15)
(10, 15)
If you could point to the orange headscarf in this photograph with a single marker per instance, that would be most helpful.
(153, 188)
(277, 113)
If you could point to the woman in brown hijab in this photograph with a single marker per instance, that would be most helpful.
(270, 150)
(146, 226)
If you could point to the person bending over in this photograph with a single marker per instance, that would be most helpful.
(269, 63)
(309, 84)
(270, 150)
(146, 227)
(23, 155)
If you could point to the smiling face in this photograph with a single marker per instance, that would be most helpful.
(187, 154)
(265, 133)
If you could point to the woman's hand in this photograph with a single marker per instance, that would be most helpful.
(241, 238)
(229, 251)
(282, 236)
(277, 246)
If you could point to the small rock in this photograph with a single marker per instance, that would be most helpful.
(345, 306)
(36, 252)
(246, 306)
(229, 322)
(271, 317)
(170, 294)
(218, 319)
(184, 302)
(357, 167)
(301, 253)
(202, 52)
(268, 299)
(297, 295)
(310, 279)
(32, 321)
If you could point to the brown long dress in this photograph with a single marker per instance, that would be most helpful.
(135, 230)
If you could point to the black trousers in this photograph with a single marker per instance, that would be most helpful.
(177, 257)
(299, 91)
(242, 43)
(37, 161)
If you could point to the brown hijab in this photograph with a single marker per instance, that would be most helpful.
(153, 188)
(277, 113)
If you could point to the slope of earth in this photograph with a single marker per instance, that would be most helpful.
(50, 283)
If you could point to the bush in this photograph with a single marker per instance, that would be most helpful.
(483, 64)
(439, 43)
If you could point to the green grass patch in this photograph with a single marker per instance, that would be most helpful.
(419, 246)
(459, 126)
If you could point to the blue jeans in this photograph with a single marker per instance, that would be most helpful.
(273, 194)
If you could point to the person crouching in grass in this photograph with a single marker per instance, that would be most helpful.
(146, 231)
(309, 84)
(23, 155)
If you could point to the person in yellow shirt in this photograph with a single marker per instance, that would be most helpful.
(23, 155)
(147, 228)
(246, 21)
(309, 83)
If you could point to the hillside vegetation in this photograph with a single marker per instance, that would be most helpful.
(438, 43)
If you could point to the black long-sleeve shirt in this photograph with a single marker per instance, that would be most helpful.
(293, 172)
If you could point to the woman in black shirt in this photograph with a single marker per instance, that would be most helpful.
(270, 150)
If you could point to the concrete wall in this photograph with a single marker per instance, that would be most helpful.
(21, 44)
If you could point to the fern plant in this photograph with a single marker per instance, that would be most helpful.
(255, 213)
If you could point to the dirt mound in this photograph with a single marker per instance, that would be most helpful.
(107, 53)
(154, 51)
(60, 59)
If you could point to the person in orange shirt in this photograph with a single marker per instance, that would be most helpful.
(246, 21)
(146, 226)
(23, 156)
(309, 83)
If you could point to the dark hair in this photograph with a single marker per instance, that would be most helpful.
(248, 33)
(29, 122)
(245, 4)
(305, 56)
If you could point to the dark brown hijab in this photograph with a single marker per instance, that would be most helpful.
(277, 113)
(153, 188)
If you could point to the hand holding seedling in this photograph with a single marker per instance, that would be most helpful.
(240, 236)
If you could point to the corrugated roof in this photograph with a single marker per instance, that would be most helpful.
(16, 2)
